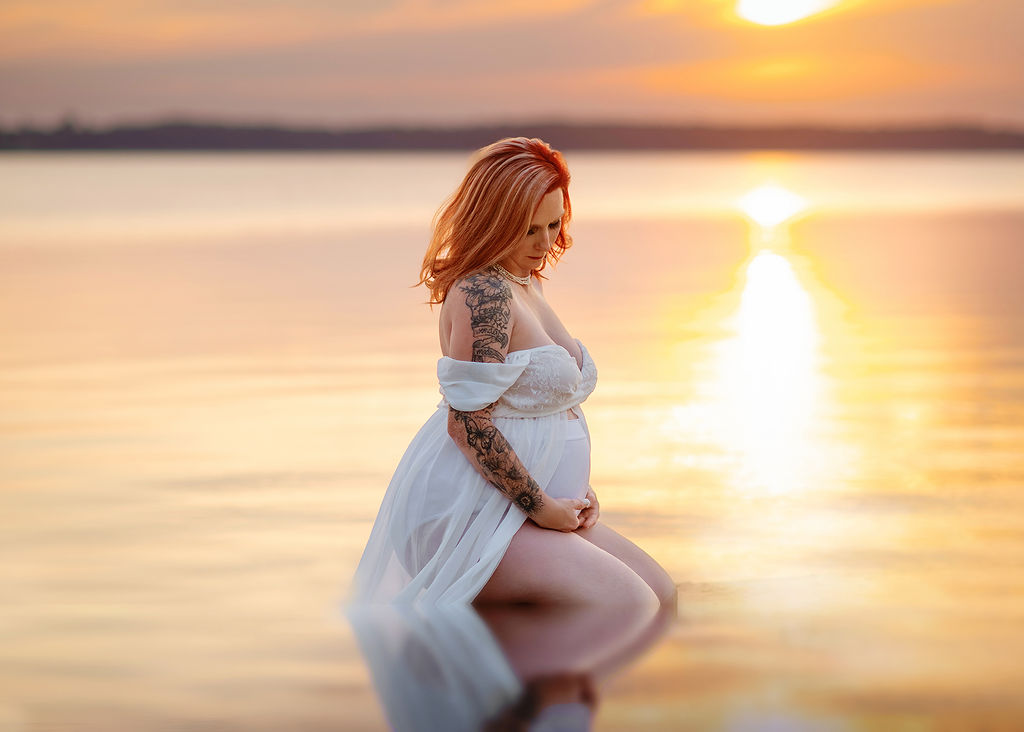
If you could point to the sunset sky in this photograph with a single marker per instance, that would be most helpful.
(357, 62)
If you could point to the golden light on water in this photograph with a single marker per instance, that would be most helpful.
(764, 390)
(769, 205)
(765, 377)
(768, 377)
(780, 12)
(831, 477)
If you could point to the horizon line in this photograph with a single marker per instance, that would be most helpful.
(71, 121)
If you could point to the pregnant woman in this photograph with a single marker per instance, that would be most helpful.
(491, 502)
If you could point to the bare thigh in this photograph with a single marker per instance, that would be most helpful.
(633, 557)
(546, 566)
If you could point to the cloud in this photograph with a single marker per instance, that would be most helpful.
(785, 77)
(124, 30)
(444, 60)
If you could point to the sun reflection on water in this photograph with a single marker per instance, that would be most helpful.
(770, 205)
(768, 377)
(764, 391)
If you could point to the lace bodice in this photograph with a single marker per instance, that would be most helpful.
(532, 382)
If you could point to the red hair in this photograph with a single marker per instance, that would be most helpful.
(480, 223)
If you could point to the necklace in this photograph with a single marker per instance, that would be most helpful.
(515, 278)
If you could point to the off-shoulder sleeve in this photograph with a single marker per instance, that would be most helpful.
(472, 385)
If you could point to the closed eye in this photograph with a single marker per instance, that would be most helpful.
(553, 225)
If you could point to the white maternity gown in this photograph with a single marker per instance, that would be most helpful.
(442, 528)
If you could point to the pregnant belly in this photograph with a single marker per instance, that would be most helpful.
(572, 475)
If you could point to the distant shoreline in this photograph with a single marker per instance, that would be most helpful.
(202, 136)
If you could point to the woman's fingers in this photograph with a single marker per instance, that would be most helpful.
(595, 506)
(589, 515)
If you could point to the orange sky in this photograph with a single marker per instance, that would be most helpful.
(437, 61)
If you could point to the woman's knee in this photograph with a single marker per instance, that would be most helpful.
(663, 586)
(636, 591)
(653, 574)
(658, 580)
(606, 580)
(541, 565)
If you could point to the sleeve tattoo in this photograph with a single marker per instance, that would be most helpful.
(489, 300)
(498, 462)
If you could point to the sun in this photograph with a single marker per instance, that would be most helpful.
(780, 12)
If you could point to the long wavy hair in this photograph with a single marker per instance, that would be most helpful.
(480, 223)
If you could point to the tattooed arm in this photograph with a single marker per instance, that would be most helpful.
(481, 325)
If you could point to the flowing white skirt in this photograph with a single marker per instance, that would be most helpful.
(442, 529)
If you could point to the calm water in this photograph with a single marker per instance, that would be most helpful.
(211, 365)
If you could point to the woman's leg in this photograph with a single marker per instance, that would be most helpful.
(633, 557)
(546, 566)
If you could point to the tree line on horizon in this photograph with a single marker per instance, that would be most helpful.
(183, 135)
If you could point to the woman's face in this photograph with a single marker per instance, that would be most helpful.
(535, 242)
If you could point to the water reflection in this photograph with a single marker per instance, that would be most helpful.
(764, 379)
(769, 205)
(502, 667)
(768, 374)
(163, 570)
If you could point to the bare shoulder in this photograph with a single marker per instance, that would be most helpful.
(481, 317)
(483, 283)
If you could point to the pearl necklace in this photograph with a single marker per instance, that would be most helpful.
(515, 278)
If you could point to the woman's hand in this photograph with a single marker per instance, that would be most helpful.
(559, 514)
(588, 516)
